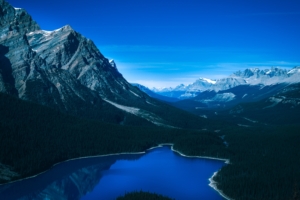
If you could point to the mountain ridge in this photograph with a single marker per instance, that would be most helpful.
(250, 76)
(64, 70)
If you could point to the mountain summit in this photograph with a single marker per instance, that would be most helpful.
(64, 70)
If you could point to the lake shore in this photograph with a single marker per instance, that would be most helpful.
(212, 183)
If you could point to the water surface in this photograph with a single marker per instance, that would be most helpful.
(159, 170)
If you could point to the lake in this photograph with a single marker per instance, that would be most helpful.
(159, 170)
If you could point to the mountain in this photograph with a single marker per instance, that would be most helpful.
(41, 66)
(250, 85)
(255, 76)
(269, 105)
(282, 107)
(225, 99)
(64, 70)
(153, 94)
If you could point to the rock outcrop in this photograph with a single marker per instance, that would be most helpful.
(64, 70)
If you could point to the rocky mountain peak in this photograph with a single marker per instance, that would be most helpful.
(112, 63)
(294, 70)
(66, 28)
(15, 21)
(15, 54)
(246, 73)
(64, 70)
(258, 73)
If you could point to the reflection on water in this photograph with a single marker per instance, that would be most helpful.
(160, 170)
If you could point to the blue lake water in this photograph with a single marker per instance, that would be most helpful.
(159, 170)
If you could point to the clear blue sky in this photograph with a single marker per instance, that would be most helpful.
(166, 42)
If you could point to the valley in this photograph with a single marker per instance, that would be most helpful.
(62, 99)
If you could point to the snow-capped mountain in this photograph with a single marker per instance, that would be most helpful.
(265, 77)
(252, 76)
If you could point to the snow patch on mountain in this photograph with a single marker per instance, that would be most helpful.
(187, 95)
(252, 76)
(141, 113)
(224, 97)
(134, 94)
(208, 80)
(250, 120)
(50, 33)
(274, 102)
(294, 70)
(243, 125)
(112, 63)
(128, 109)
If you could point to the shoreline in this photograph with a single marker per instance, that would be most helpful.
(205, 157)
(212, 183)
(84, 157)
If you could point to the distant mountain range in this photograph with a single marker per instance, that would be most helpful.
(64, 70)
(153, 94)
(276, 105)
(255, 76)
(268, 96)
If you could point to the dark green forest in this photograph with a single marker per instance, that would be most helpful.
(264, 161)
(34, 137)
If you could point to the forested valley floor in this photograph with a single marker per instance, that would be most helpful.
(264, 161)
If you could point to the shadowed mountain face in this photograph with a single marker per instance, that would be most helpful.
(14, 50)
(64, 70)
(270, 105)
(59, 60)
(212, 100)
(280, 108)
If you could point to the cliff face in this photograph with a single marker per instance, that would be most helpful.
(50, 58)
(15, 52)
(66, 50)
(64, 70)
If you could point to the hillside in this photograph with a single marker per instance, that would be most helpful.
(64, 70)
(34, 137)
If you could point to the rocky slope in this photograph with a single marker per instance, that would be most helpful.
(33, 75)
(64, 70)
